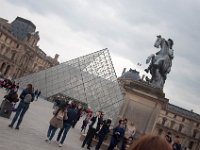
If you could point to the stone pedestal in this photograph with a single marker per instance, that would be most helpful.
(142, 104)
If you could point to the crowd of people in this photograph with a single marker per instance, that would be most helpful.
(66, 114)
(98, 128)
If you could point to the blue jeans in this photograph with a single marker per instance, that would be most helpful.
(20, 112)
(63, 132)
(51, 132)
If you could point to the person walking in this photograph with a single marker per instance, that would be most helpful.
(56, 122)
(84, 125)
(27, 96)
(94, 127)
(103, 132)
(70, 116)
(78, 116)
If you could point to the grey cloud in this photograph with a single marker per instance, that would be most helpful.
(128, 29)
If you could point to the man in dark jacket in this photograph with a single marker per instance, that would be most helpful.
(118, 134)
(94, 127)
(26, 97)
(103, 132)
(70, 117)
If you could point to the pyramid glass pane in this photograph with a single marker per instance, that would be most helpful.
(90, 79)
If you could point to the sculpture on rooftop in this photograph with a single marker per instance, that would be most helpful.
(161, 62)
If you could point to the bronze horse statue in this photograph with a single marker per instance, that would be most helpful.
(161, 62)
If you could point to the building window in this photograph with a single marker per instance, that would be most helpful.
(197, 125)
(163, 121)
(13, 56)
(7, 70)
(2, 67)
(194, 133)
(183, 119)
(172, 124)
(180, 128)
(174, 116)
(191, 144)
(17, 46)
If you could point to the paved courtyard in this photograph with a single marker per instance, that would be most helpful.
(32, 133)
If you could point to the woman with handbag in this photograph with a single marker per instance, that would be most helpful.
(56, 122)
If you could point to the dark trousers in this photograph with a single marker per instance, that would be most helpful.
(21, 110)
(113, 143)
(88, 139)
(51, 132)
(124, 143)
(63, 132)
(101, 138)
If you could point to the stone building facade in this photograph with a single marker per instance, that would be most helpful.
(151, 112)
(180, 122)
(19, 53)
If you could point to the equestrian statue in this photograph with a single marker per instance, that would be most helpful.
(161, 62)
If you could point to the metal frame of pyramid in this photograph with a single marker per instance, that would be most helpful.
(90, 79)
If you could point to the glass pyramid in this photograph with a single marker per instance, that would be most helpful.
(90, 79)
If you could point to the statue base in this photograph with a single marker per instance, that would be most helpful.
(142, 104)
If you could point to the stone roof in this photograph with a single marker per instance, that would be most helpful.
(183, 112)
(26, 21)
(131, 74)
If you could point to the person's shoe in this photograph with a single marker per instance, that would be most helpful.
(88, 148)
(48, 141)
(57, 142)
(10, 126)
(60, 145)
(17, 128)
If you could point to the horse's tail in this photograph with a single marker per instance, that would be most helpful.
(149, 58)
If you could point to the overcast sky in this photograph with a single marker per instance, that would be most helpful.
(128, 28)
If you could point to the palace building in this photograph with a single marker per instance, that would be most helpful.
(19, 53)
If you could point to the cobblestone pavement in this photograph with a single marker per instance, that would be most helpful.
(33, 130)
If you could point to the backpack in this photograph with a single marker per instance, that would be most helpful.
(27, 98)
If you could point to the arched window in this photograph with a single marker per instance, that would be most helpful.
(164, 120)
(2, 67)
(7, 69)
(190, 144)
(13, 55)
(172, 124)
(194, 133)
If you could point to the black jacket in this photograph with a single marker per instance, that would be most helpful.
(104, 130)
(72, 115)
(93, 120)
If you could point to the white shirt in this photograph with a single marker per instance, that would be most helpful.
(95, 124)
